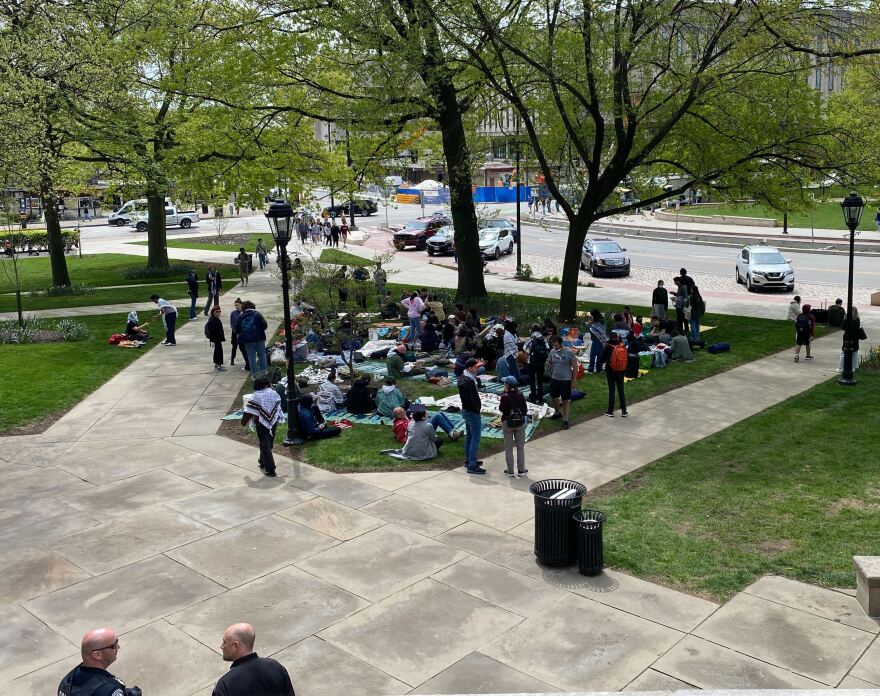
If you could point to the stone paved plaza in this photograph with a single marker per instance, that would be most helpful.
(135, 514)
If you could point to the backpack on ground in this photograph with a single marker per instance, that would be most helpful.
(802, 323)
(619, 358)
(515, 419)
(718, 348)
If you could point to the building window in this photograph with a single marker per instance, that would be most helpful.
(831, 79)
(817, 77)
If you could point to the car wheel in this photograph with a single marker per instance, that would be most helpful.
(583, 268)
(120, 223)
(510, 249)
(738, 279)
(594, 271)
(749, 286)
(141, 227)
(185, 223)
(790, 288)
(399, 247)
(497, 254)
(421, 245)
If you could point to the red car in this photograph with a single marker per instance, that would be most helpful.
(416, 233)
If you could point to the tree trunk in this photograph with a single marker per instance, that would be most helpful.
(571, 265)
(60, 274)
(157, 252)
(471, 285)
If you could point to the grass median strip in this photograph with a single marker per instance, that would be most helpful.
(792, 490)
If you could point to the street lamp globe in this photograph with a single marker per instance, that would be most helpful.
(280, 216)
(852, 206)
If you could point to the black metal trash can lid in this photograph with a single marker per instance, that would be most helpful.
(547, 487)
(589, 519)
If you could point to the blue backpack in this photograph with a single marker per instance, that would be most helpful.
(248, 331)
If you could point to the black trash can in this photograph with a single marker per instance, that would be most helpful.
(588, 524)
(250, 265)
(555, 537)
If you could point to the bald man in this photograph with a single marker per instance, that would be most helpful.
(250, 674)
(99, 649)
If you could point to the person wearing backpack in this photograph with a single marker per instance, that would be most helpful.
(804, 325)
(513, 426)
(215, 334)
(251, 330)
(537, 351)
(616, 358)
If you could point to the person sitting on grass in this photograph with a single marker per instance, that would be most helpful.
(389, 397)
(360, 401)
(311, 422)
(394, 362)
(438, 420)
(329, 397)
(680, 348)
(430, 338)
(133, 331)
(421, 440)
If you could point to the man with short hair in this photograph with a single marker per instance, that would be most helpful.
(264, 410)
(836, 314)
(99, 649)
(471, 405)
(249, 674)
(562, 365)
(794, 307)
(168, 312)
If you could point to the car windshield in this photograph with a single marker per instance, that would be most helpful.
(606, 248)
(415, 226)
(488, 235)
(487, 224)
(768, 258)
(445, 231)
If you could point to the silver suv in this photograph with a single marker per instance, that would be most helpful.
(762, 266)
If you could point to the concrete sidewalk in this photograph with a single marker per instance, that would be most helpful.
(131, 512)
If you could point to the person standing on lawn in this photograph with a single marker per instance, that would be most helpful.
(264, 410)
(471, 405)
(381, 279)
(215, 334)
(659, 301)
(616, 359)
(598, 337)
(537, 350)
(513, 426)
(243, 261)
(263, 252)
(251, 328)
(192, 289)
(562, 365)
(235, 345)
(414, 308)
(168, 312)
(215, 285)
(698, 309)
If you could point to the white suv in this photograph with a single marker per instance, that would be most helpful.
(764, 267)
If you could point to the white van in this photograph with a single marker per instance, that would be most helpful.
(122, 216)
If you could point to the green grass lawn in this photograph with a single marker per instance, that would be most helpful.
(824, 216)
(793, 490)
(343, 257)
(358, 449)
(231, 243)
(41, 379)
(126, 295)
(97, 271)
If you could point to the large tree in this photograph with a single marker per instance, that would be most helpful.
(632, 91)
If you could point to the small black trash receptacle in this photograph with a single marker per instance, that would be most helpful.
(588, 524)
(250, 263)
(554, 525)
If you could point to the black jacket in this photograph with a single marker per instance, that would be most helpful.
(90, 681)
(214, 330)
(192, 284)
(252, 675)
(359, 399)
(660, 296)
(470, 395)
(853, 331)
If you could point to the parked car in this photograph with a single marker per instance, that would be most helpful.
(416, 233)
(443, 242)
(362, 206)
(604, 256)
(494, 242)
(501, 224)
(762, 266)
(173, 217)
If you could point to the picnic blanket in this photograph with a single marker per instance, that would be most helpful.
(487, 429)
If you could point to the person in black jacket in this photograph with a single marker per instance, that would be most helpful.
(468, 390)
(659, 301)
(360, 401)
(215, 285)
(250, 674)
(192, 289)
(214, 333)
(853, 331)
(614, 377)
(99, 649)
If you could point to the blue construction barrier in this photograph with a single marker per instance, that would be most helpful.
(501, 194)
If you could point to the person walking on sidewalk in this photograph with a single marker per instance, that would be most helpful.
(468, 390)
(168, 312)
(251, 330)
(234, 344)
(215, 334)
(659, 301)
(243, 261)
(616, 359)
(513, 426)
(263, 252)
(343, 232)
(562, 364)
(804, 326)
(215, 285)
(334, 233)
(192, 289)
(264, 410)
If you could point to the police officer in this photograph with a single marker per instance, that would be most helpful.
(90, 678)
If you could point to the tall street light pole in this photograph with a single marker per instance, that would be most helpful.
(280, 217)
(330, 149)
(518, 227)
(852, 206)
(349, 162)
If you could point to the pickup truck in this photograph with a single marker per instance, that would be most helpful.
(173, 217)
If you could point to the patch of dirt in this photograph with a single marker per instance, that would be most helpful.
(851, 504)
(37, 426)
(232, 240)
(771, 547)
(46, 336)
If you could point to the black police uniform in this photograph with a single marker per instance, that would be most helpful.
(90, 681)
(252, 675)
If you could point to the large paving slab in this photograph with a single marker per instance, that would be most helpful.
(342, 489)
(284, 608)
(479, 674)
(492, 545)
(652, 680)
(26, 644)
(710, 666)
(381, 562)
(27, 485)
(577, 644)
(248, 551)
(318, 668)
(868, 666)
(129, 495)
(333, 519)
(786, 637)
(32, 571)
(125, 599)
(419, 517)
(420, 631)
(393, 480)
(128, 539)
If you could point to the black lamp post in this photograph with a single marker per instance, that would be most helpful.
(518, 224)
(280, 217)
(852, 205)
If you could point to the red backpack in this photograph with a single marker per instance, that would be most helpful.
(619, 358)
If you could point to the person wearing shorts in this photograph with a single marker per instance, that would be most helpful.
(562, 366)
(804, 326)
